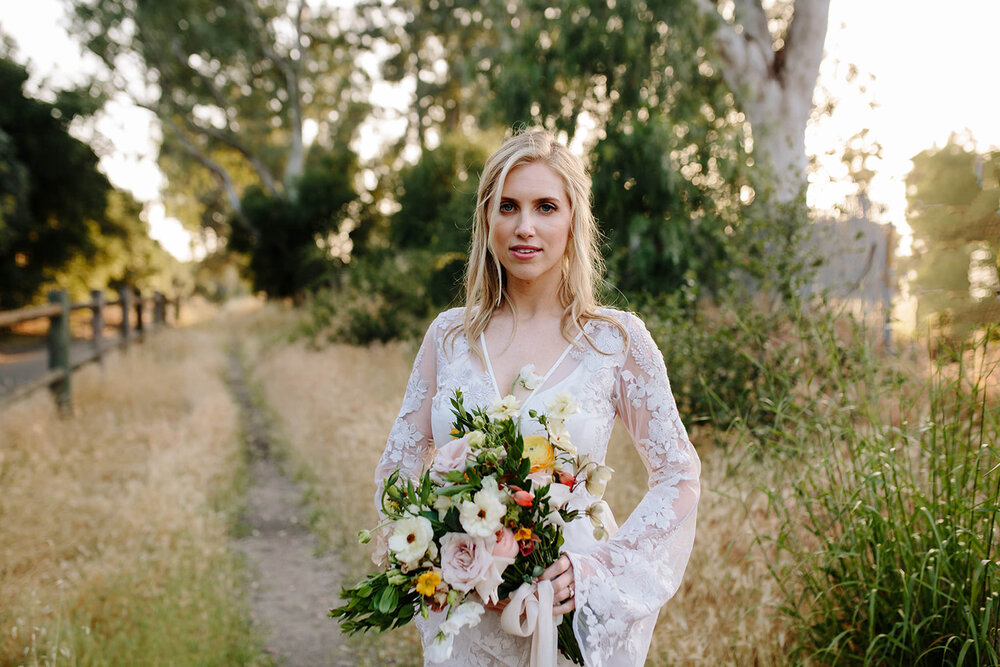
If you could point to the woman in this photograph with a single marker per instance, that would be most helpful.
(530, 299)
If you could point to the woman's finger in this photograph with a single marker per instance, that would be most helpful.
(564, 608)
(560, 565)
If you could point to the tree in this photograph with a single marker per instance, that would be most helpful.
(53, 199)
(770, 54)
(235, 85)
(953, 207)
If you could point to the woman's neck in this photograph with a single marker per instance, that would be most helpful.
(531, 301)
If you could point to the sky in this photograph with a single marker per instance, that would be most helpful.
(926, 66)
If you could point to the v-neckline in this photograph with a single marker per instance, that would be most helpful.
(545, 378)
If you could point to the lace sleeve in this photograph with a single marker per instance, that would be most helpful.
(621, 585)
(409, 447)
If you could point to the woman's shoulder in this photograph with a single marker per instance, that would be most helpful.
(446, 321)
(628, 320)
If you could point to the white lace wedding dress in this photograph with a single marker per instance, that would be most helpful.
(621, 583)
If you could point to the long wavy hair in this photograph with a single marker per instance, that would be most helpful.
(582, 263)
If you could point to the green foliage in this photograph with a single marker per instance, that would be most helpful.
(385, 296)
(60, 219)
(289, 242)
(889, 495)
(953, 198)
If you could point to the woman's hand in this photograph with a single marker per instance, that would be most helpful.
(560, 573)
(498, 607)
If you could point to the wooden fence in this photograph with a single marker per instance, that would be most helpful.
(139, 315)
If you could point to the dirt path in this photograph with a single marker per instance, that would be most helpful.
(291, 586)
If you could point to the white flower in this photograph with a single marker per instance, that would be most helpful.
(559, 438)
(480, 517)
(527, 377)
(466, 614)
(442, 504)
(410, 538)
(597, 480)
(507, 407)
(562, 406)
(439, 648)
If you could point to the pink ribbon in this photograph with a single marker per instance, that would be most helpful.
(534, 604)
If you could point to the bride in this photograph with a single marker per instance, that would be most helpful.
(531, 326)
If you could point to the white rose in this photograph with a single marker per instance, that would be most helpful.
(410, 538)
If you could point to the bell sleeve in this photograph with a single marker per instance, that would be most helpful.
(409, 447)
(622, 584)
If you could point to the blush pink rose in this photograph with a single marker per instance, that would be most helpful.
(506, 545)
(449, 457)
(465, 560)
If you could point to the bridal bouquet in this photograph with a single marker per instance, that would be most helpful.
(487, 517)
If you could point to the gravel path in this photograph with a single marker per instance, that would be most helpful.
(292, 587)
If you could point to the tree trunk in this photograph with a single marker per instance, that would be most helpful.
(774, 84)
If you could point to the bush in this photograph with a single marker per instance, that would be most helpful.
(383, 298)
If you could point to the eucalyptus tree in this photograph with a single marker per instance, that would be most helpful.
(687, 130)
(240, 88)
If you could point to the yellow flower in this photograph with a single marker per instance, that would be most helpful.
(428, 582)
(522, 534)
(538, 450)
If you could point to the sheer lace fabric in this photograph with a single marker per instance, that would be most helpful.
(621, 583)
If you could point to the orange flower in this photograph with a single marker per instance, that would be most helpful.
(523, 534)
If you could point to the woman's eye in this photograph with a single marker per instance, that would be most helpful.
(506, 207)
(547, 208)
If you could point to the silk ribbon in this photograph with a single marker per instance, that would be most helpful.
(533, 602)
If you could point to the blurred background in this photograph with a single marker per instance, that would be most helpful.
(799, 196)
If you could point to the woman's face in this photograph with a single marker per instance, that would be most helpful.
(530, 231)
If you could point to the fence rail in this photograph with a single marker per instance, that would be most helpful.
(132, 328)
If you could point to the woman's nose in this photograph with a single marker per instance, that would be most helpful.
(525, 225)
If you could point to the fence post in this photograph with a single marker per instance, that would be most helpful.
(125, 298)
(97, 322)
(139, 325)
(159, 310)
(58, 342)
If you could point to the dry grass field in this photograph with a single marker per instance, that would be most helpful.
(335, 406)
(113, 523)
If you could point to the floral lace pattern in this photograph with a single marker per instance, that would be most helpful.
(622, 583)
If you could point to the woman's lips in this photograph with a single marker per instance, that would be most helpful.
(524, 251)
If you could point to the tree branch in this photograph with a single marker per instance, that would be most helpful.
(232, 140)
(225, 180)
(744, 61)
(226, 136)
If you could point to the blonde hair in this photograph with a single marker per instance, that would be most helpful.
(582, 265)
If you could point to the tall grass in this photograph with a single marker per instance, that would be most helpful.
(113, 523)
(889, 501)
